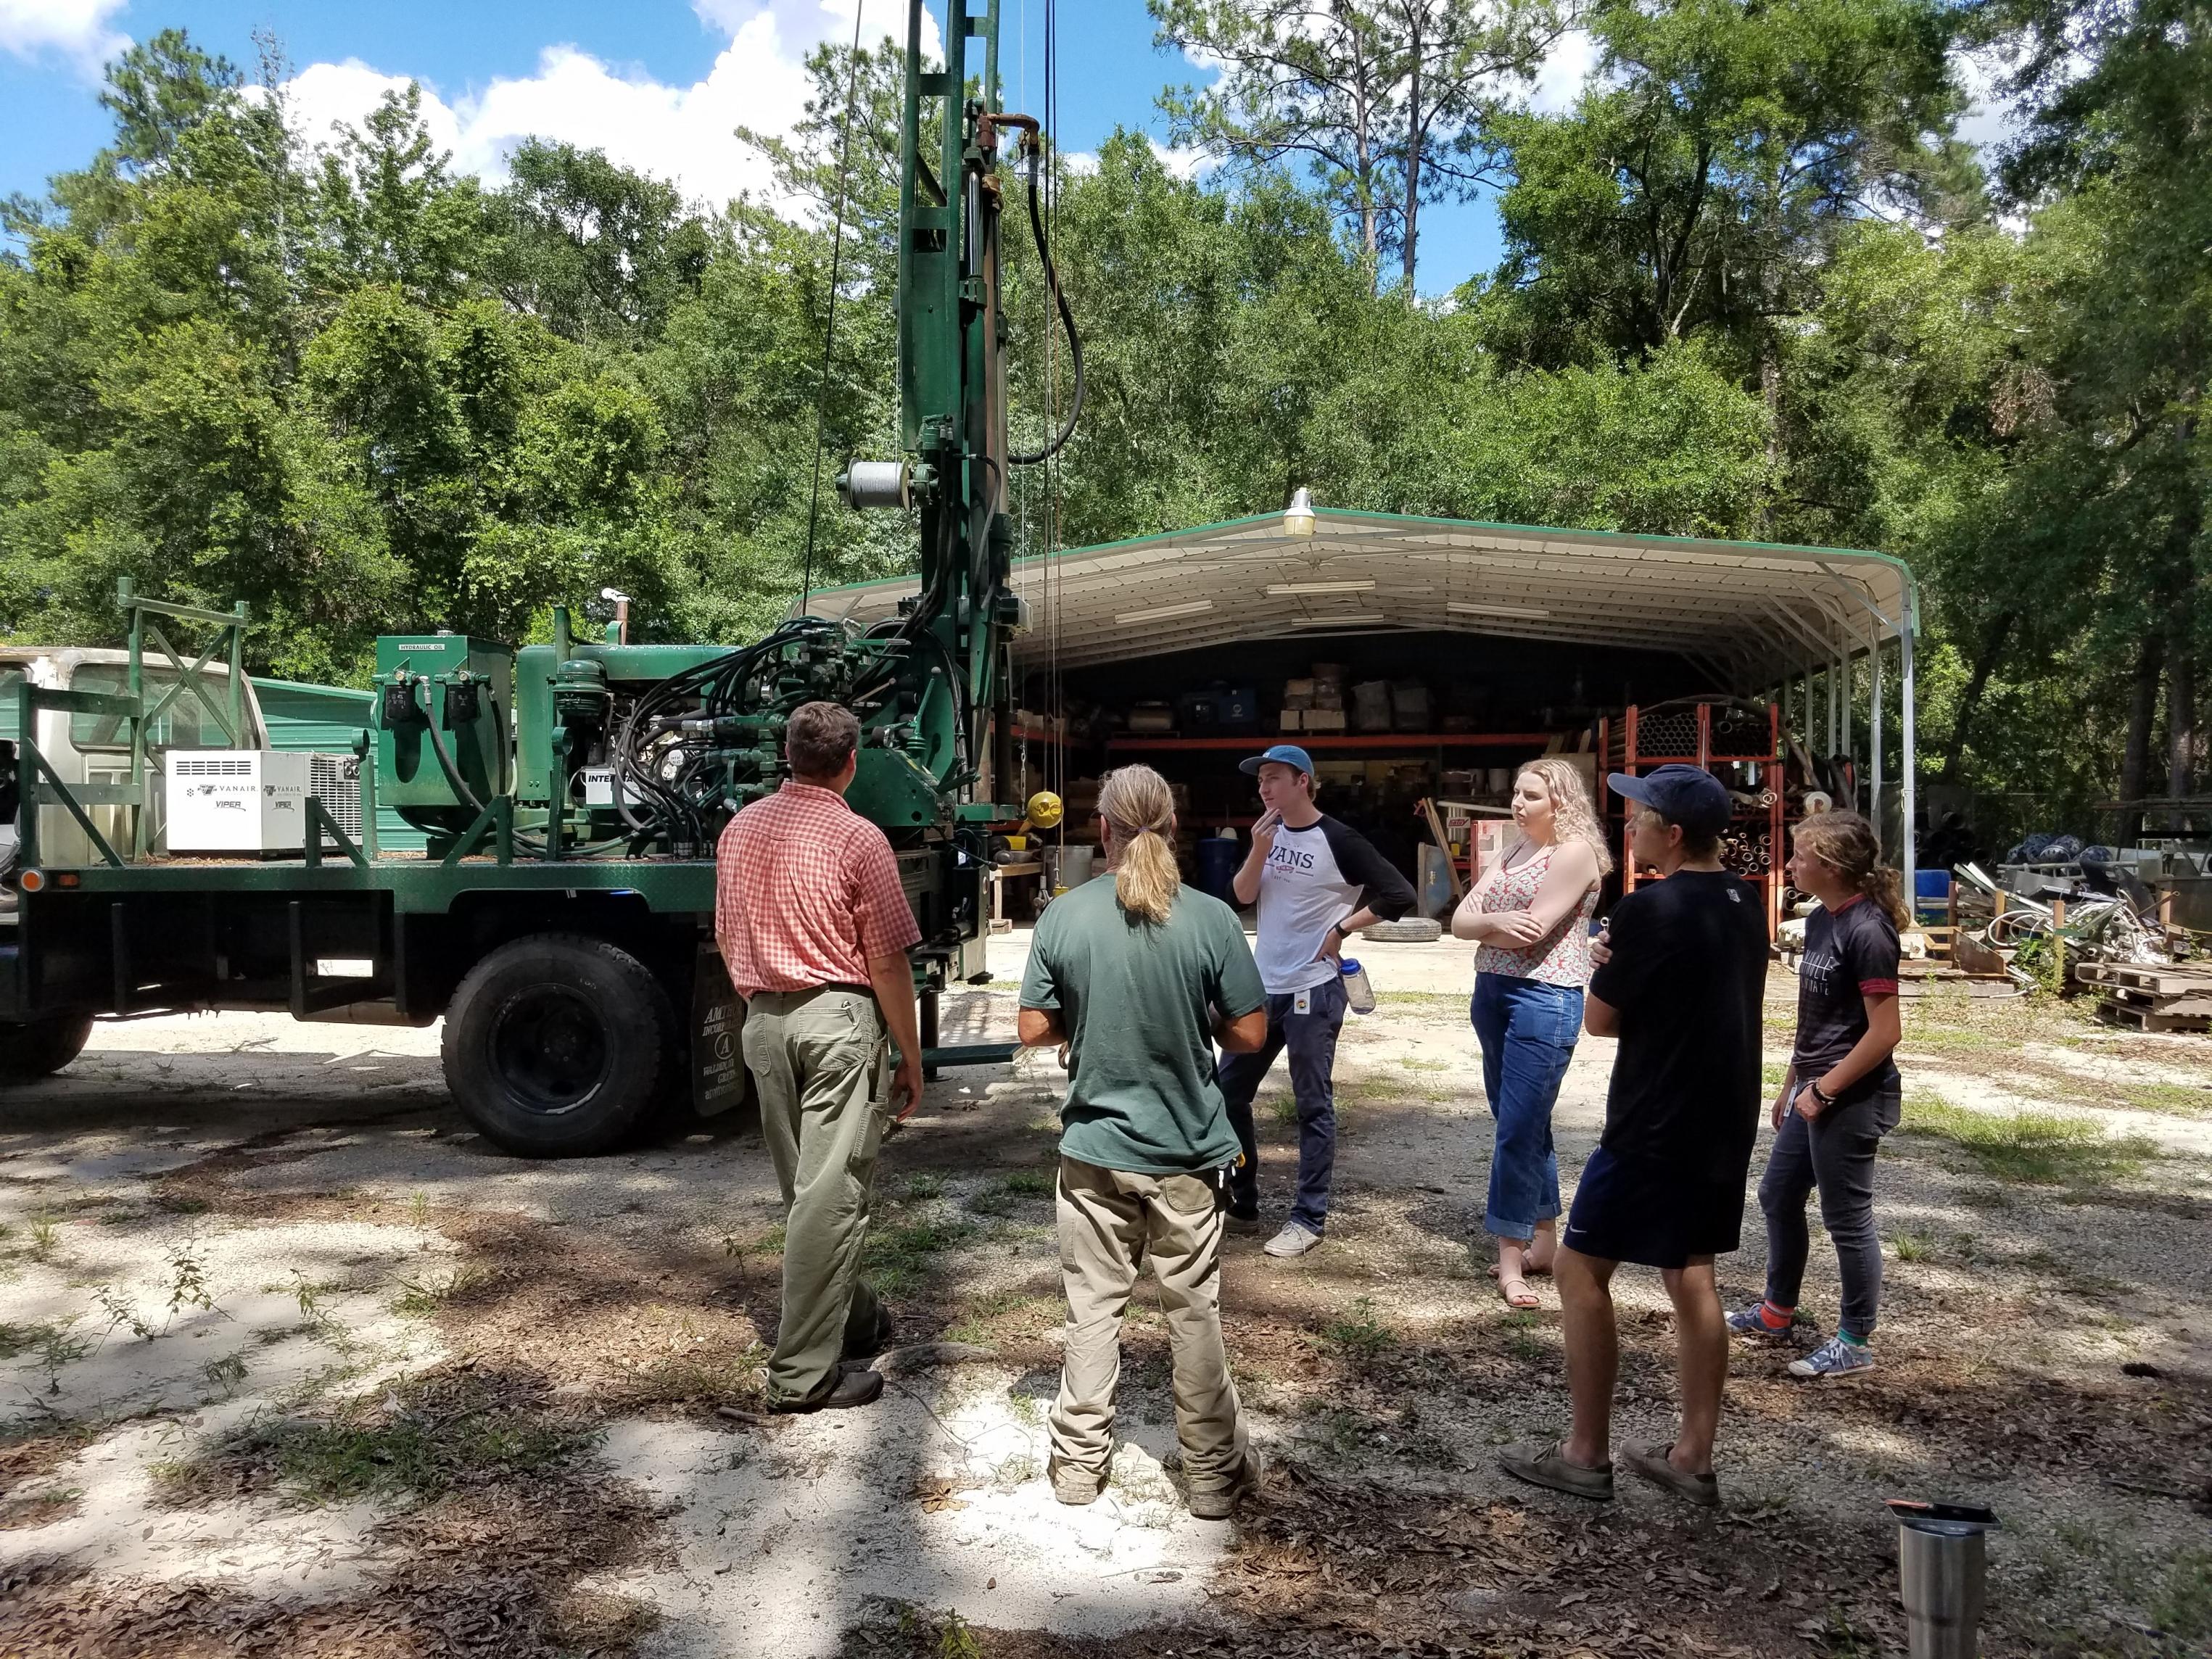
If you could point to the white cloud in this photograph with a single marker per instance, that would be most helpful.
(74, 29)
(1567, 69)
(682, 134)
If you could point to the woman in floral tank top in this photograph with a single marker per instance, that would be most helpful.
(1531, 917)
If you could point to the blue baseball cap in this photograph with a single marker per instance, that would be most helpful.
(1288, 753)
(1687, 795)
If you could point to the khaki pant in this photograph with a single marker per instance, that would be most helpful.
(818, 1060)
(1110, 1221)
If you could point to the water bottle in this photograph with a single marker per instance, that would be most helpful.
(1358, 994)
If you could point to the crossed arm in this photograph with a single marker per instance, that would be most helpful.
(1572, 873)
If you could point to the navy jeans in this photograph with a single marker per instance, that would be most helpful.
(1528, 1028)
(1312, 1039)
(1834, 1153)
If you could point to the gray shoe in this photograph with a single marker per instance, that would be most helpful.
(1547, 1465)
(1650, 1461)
(1217, 1503)
(1834, 1358)
(1294, 1239)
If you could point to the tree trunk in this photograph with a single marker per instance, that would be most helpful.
(1985, 664)
(1413, 141)
(2180, 711)
(2143, 715)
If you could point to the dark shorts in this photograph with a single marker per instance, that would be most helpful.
(1628, 1210)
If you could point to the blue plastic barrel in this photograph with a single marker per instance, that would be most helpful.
(1931, 893)
(1218, 859)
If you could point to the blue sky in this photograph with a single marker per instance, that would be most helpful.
(656, 83)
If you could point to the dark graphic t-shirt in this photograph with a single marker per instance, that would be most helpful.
(1689, 975)
(1850, 954)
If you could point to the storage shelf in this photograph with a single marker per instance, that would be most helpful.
(1313, 740)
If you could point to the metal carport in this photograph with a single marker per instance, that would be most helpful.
(1765, 620)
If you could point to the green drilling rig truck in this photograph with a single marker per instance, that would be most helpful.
(571, 792)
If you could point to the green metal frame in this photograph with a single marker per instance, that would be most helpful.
(230, 713)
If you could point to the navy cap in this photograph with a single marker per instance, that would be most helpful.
(1288, 753)
(1687, 795)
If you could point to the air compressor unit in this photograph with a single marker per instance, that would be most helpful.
(247, 801)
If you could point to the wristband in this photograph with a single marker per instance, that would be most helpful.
(1826, 1100)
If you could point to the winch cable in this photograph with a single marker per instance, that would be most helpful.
(1056, 691)
(829, 321)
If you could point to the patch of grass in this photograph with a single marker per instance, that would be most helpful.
(2180, 1099)
(2037, 1148)
(1028, 1181)
(1771, 1073)
(1520, 1334)
(181, 1204)
(45, 1238)
(2181, 1603)
(900, 1258)
(922, 1186)
(423, 1294)
(1282, 1107)
(1429, 1002)
(1414, 1063)
(1003, 1197)
(1913, 1247)
(1358, 1334)
(401, 1443)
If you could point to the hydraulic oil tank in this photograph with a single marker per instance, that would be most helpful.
(465, 687)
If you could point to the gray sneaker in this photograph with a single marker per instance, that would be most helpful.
(1294, 1239)
(1834, 1357)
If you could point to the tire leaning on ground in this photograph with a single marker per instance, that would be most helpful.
(1413, 930)
(39, 1048)
(554, 1045)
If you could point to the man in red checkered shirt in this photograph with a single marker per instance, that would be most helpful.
(814, 928)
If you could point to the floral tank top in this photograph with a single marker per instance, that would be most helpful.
(1562, 955)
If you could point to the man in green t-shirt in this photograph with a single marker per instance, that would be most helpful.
(1139, 976)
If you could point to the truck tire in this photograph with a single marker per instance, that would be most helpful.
(555, 1045)
(39, 1048)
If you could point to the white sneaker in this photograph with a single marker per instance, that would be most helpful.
(1293, 1240)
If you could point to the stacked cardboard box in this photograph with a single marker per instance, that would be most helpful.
(1315, 702)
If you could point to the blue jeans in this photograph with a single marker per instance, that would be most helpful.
(1312, 1039)
(1526, 1029)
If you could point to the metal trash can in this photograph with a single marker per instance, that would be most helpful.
(1939, 1565)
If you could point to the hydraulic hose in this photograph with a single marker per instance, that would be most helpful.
(1066, 318)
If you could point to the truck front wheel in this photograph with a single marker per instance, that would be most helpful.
(39, 1048)
(554, 1045)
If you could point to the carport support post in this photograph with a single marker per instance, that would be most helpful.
(1907, 859)
(1873, 731)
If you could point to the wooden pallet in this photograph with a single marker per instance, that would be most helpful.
(2185, 1007)
(2150, 1020)
(2162, 981)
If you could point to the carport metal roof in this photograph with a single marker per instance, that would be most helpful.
(1752, 614)
(1763, 619)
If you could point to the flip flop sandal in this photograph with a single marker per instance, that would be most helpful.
(1527, 1271)
(1523, 1300)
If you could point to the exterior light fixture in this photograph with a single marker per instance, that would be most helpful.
(1293, 589)
(1466, 608)
(1163, 612)
(1298, 516)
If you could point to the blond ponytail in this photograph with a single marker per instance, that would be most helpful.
(1137, 805)
(1846, 841)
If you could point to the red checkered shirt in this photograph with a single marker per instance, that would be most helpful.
(805, 891)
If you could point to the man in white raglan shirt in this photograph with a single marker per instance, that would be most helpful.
(1315, 881)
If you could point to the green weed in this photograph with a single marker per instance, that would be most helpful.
(362, 1451)
(2181, 1603)
(1771, 1073)
(45, 1238)
(2038, 1148)
(1028, 1181)
(1913, 1247)
(226, 1373)
(922, 1186)
(424, 1294)
(1358, 1334)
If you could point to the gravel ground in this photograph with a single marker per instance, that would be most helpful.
(292, 1362)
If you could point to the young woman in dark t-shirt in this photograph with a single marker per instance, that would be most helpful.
(1841, 1094)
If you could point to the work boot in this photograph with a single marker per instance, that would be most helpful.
(853, 1387)
(1219, 1503)
(1073, 1487)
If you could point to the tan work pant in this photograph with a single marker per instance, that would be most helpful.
(817, 1058)
(1110, 1222)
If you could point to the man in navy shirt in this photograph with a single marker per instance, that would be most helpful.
(1681, 981)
